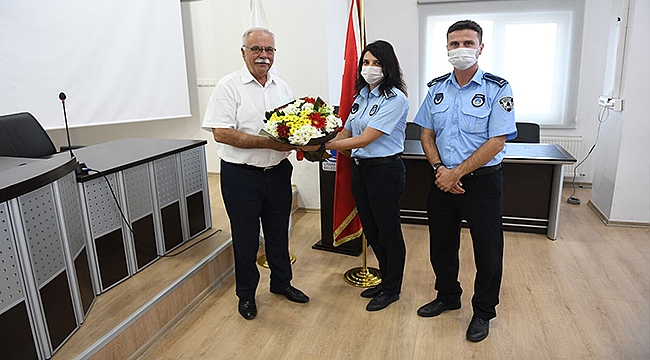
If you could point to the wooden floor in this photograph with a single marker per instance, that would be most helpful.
(584, 296)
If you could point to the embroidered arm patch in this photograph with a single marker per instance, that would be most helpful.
(507, 103)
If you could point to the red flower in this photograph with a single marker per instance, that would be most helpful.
(309, 100)
(317, 120)
(283, 131)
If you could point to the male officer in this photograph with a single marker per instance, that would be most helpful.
(466, 118)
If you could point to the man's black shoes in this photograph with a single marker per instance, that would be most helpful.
(292, 294)
(247, 309)
(478, 329)
(381, 301)
(372, 292)
(436, 307)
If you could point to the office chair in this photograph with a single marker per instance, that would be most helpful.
(526, 133)
(413, 131)
(21, 135)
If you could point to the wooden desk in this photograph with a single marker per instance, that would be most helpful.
(532, 186)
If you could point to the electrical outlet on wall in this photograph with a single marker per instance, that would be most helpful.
(612, 103)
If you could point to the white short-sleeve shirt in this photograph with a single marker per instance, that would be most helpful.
(239, 101)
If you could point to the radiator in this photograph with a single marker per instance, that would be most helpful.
(572, 144)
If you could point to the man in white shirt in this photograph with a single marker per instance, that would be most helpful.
(255, 171)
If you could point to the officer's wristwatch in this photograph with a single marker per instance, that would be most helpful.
(436, 166)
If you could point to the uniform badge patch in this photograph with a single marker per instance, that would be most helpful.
(355, 108)
(507, 103)
(373, 110)
(437, 99)
(478, 100)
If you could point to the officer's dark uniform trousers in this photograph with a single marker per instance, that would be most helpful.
(481, 206)
(250, 194)
(377, 190)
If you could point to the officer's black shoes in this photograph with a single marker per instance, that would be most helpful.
(478, 329)
(372, 292)
(292, 294)
(247, 309)
(436, 307)
(381, 301)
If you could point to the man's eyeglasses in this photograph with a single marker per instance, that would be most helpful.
(258, 49)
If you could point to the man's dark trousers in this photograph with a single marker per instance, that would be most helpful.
(251, 194)
(482, 207)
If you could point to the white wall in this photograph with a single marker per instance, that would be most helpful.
(301, 60)
(621, 187)
(213, 30)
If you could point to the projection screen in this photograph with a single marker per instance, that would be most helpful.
(116, 61)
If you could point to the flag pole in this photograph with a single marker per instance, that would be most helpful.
(363, 276)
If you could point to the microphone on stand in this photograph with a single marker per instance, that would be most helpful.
(65, 118)
(81, 167)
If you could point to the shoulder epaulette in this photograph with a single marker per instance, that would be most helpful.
(438, 79)
(495, 79)
(390, 93)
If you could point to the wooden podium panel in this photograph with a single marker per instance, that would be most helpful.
(327, 176)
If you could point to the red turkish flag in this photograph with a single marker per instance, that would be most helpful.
(347, 225)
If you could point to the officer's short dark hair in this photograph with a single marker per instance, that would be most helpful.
(464, 25)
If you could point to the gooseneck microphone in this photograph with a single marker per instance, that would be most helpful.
(81, 167)
(65, 118)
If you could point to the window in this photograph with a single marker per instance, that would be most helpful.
(534, 45)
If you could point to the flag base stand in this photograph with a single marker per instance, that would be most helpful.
(261, 260)
(352, 248)
(363, 277)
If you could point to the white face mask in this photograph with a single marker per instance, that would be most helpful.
(372, 74)
(463, 58)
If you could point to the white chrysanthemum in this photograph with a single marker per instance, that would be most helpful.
(302, 135)
(291, 109)
(327, 109)
(271, 128)
(308, 106)
(332, 123)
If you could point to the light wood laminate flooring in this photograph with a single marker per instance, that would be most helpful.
(584, 296)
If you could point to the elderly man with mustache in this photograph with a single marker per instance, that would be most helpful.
(255, 172)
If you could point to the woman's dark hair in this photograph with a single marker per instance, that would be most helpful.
(384, 52)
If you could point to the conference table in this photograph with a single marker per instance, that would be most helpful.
(45, 288)
(532, 186)
(68, 236)
(141, 199)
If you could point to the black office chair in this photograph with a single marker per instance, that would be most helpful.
(526, 133)
(413, 131)
(21, 135)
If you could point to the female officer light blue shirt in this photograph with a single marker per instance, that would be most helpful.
(383, 112)
(375, 132)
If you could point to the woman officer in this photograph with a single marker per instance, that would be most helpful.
(375, 132)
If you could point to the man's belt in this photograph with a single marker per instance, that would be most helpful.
(376, 160)
(260, 168)
(485, 170)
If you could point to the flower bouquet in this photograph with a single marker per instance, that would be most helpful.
(303, 122)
